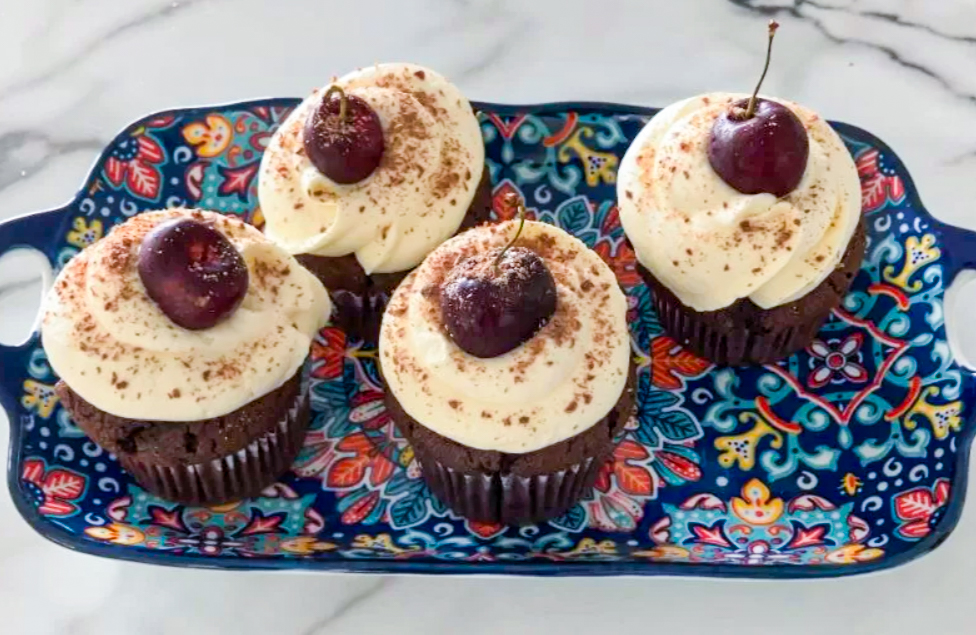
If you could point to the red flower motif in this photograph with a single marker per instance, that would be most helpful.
(840, 361)
(622, 260)
(369, 410)
(670, 362)
(54, 491)
(361, 508)
(328, 352)
(877, 188)
(350, 470)
(500, 202)
(133, 162)
(485, 530)
(507, 127)
(920, 508)
(635, 480)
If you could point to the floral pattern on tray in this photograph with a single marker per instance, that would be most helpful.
(840, 459)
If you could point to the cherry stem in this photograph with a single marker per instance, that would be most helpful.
(512, 199)
(343, 100)
(751, 108)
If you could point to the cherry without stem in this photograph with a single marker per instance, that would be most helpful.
(192, 272)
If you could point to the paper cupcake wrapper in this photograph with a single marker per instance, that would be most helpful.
(729, 347)
(507, 498)
(360, 314)
(242, 474)
(732, 348)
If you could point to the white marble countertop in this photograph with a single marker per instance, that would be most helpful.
(76, 71)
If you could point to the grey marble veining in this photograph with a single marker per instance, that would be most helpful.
(74, 72)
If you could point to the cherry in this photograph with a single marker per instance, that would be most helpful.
(759, 145)
(343, 137)
(192, 272)
(494, 301)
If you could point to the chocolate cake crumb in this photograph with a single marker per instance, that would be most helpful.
(420, 75)
(174, 394)
(454, 403)
(572, 406)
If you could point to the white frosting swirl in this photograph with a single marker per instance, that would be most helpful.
(113, 346)
(559, 383)
(712, 245)
(412, 202)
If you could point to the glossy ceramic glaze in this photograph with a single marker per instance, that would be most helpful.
(848, 457)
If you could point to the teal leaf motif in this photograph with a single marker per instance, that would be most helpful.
(401, 483)
(660, 421)
(573, 520)
(574, 215)
(408, 511)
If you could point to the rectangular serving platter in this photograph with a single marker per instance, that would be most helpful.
(796, 469)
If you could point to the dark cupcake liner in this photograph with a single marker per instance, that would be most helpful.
(744, 333)
(509, 498)
(242, 474)
(731, 346)
(360, 315)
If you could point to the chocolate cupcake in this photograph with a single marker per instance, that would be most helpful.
(179, 340)
(367, 176)
(510, 375)
(747, 227)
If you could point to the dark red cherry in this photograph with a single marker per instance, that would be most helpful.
(766, 152)
(491, 309)
(758, 145)
(192, 272)
(343, 137)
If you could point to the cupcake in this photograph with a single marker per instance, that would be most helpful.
(510, 375)
(367, 176)
(179, 340)
(745, 217)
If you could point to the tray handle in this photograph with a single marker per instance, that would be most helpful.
(35, 232)
(959, 250)
(959, 256)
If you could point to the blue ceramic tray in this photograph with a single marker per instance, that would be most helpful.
(846, 458)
